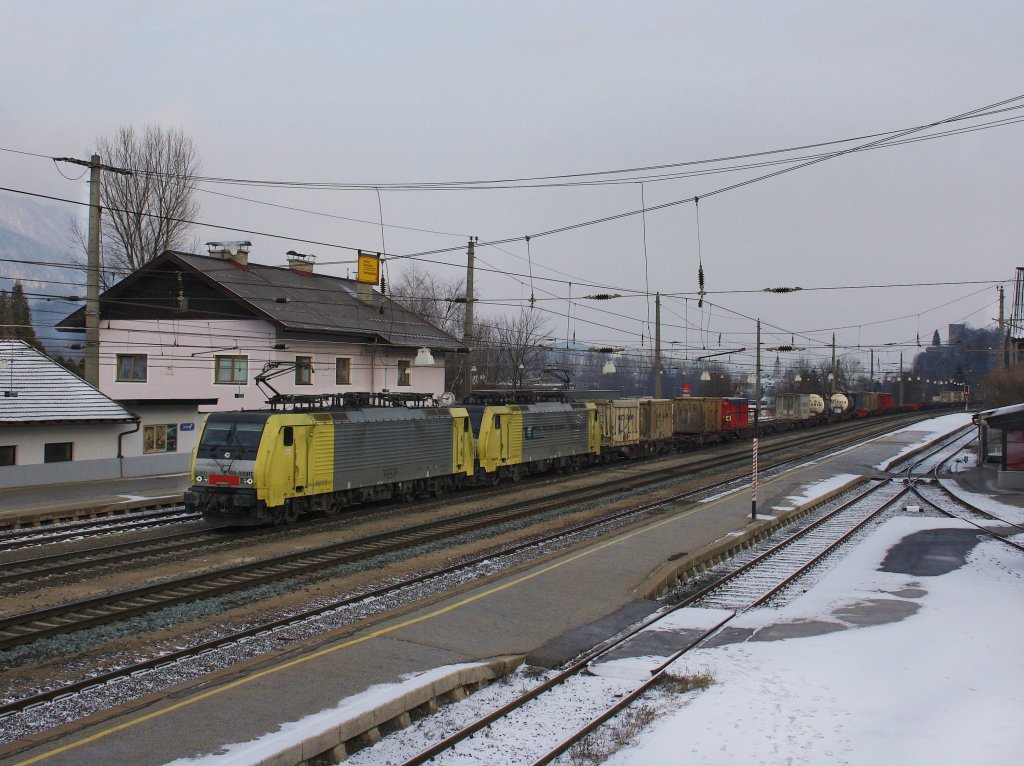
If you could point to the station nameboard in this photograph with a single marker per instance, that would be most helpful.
(369, 268)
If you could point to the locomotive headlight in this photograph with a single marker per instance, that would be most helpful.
(200, 479)
(249, 480)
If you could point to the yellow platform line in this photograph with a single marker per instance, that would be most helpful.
(374, 634)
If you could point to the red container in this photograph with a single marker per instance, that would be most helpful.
(885, 402)
(735, 414)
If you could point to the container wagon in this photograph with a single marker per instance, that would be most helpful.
(620, 427)
(655, 425)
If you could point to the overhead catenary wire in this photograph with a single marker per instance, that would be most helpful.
(644, 209)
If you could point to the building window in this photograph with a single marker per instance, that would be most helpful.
(344, 372)
(131, 368)
(403, 373)
(231, 369)
(163, 438)
(303, 370)
(58, 452)
(9, 455)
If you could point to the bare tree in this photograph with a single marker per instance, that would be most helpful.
(520, 355)
(149, 211)
(440, 301)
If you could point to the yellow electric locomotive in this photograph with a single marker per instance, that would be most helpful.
(267, 466)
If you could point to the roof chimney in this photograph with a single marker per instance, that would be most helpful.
(300, 262)
(236, 251)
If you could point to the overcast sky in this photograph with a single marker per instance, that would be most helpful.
(415, 92)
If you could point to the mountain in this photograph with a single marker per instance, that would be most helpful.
(36, 248)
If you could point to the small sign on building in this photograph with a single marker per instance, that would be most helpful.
(369, 268)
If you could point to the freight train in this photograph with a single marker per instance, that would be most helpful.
(273, 466)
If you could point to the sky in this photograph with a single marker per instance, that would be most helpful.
(372, 95)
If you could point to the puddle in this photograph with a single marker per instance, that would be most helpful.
(930, 552)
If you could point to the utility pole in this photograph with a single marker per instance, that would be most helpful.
(901, 379)
(92, 280)
(657, 345)
(1002, 329)
(833, 364)
(872, 369)
(91, 368)
(467, 327)
(757, 420)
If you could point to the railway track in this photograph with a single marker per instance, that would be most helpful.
(266, 630)
(104, 555)
(939, 497)
(20, 629)
(25, 537)
(753, 584)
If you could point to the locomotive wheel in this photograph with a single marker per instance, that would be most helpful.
(290, 514)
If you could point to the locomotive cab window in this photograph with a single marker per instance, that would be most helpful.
(288, 436)
(239, 438)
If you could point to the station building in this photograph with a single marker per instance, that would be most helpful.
(187, 334)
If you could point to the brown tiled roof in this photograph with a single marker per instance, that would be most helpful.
(296, 302)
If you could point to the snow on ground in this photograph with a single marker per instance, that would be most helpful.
(296, 732)
(943, 683)
(812, 492)
(867, 667)
(986, 503)
(930, 430)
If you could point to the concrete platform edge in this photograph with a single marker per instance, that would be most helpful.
(74, 511)
(673, 574)
(333, 744)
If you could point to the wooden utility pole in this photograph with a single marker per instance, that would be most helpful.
(1002, 329)
(91, 368)
(833, 364)
(902, 378)
(92, 279)
(467, 327)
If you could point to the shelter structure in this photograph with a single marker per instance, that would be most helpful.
(1001, 439)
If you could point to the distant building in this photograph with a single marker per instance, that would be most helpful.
(186, 334)
(957, 333)
(55, 427)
